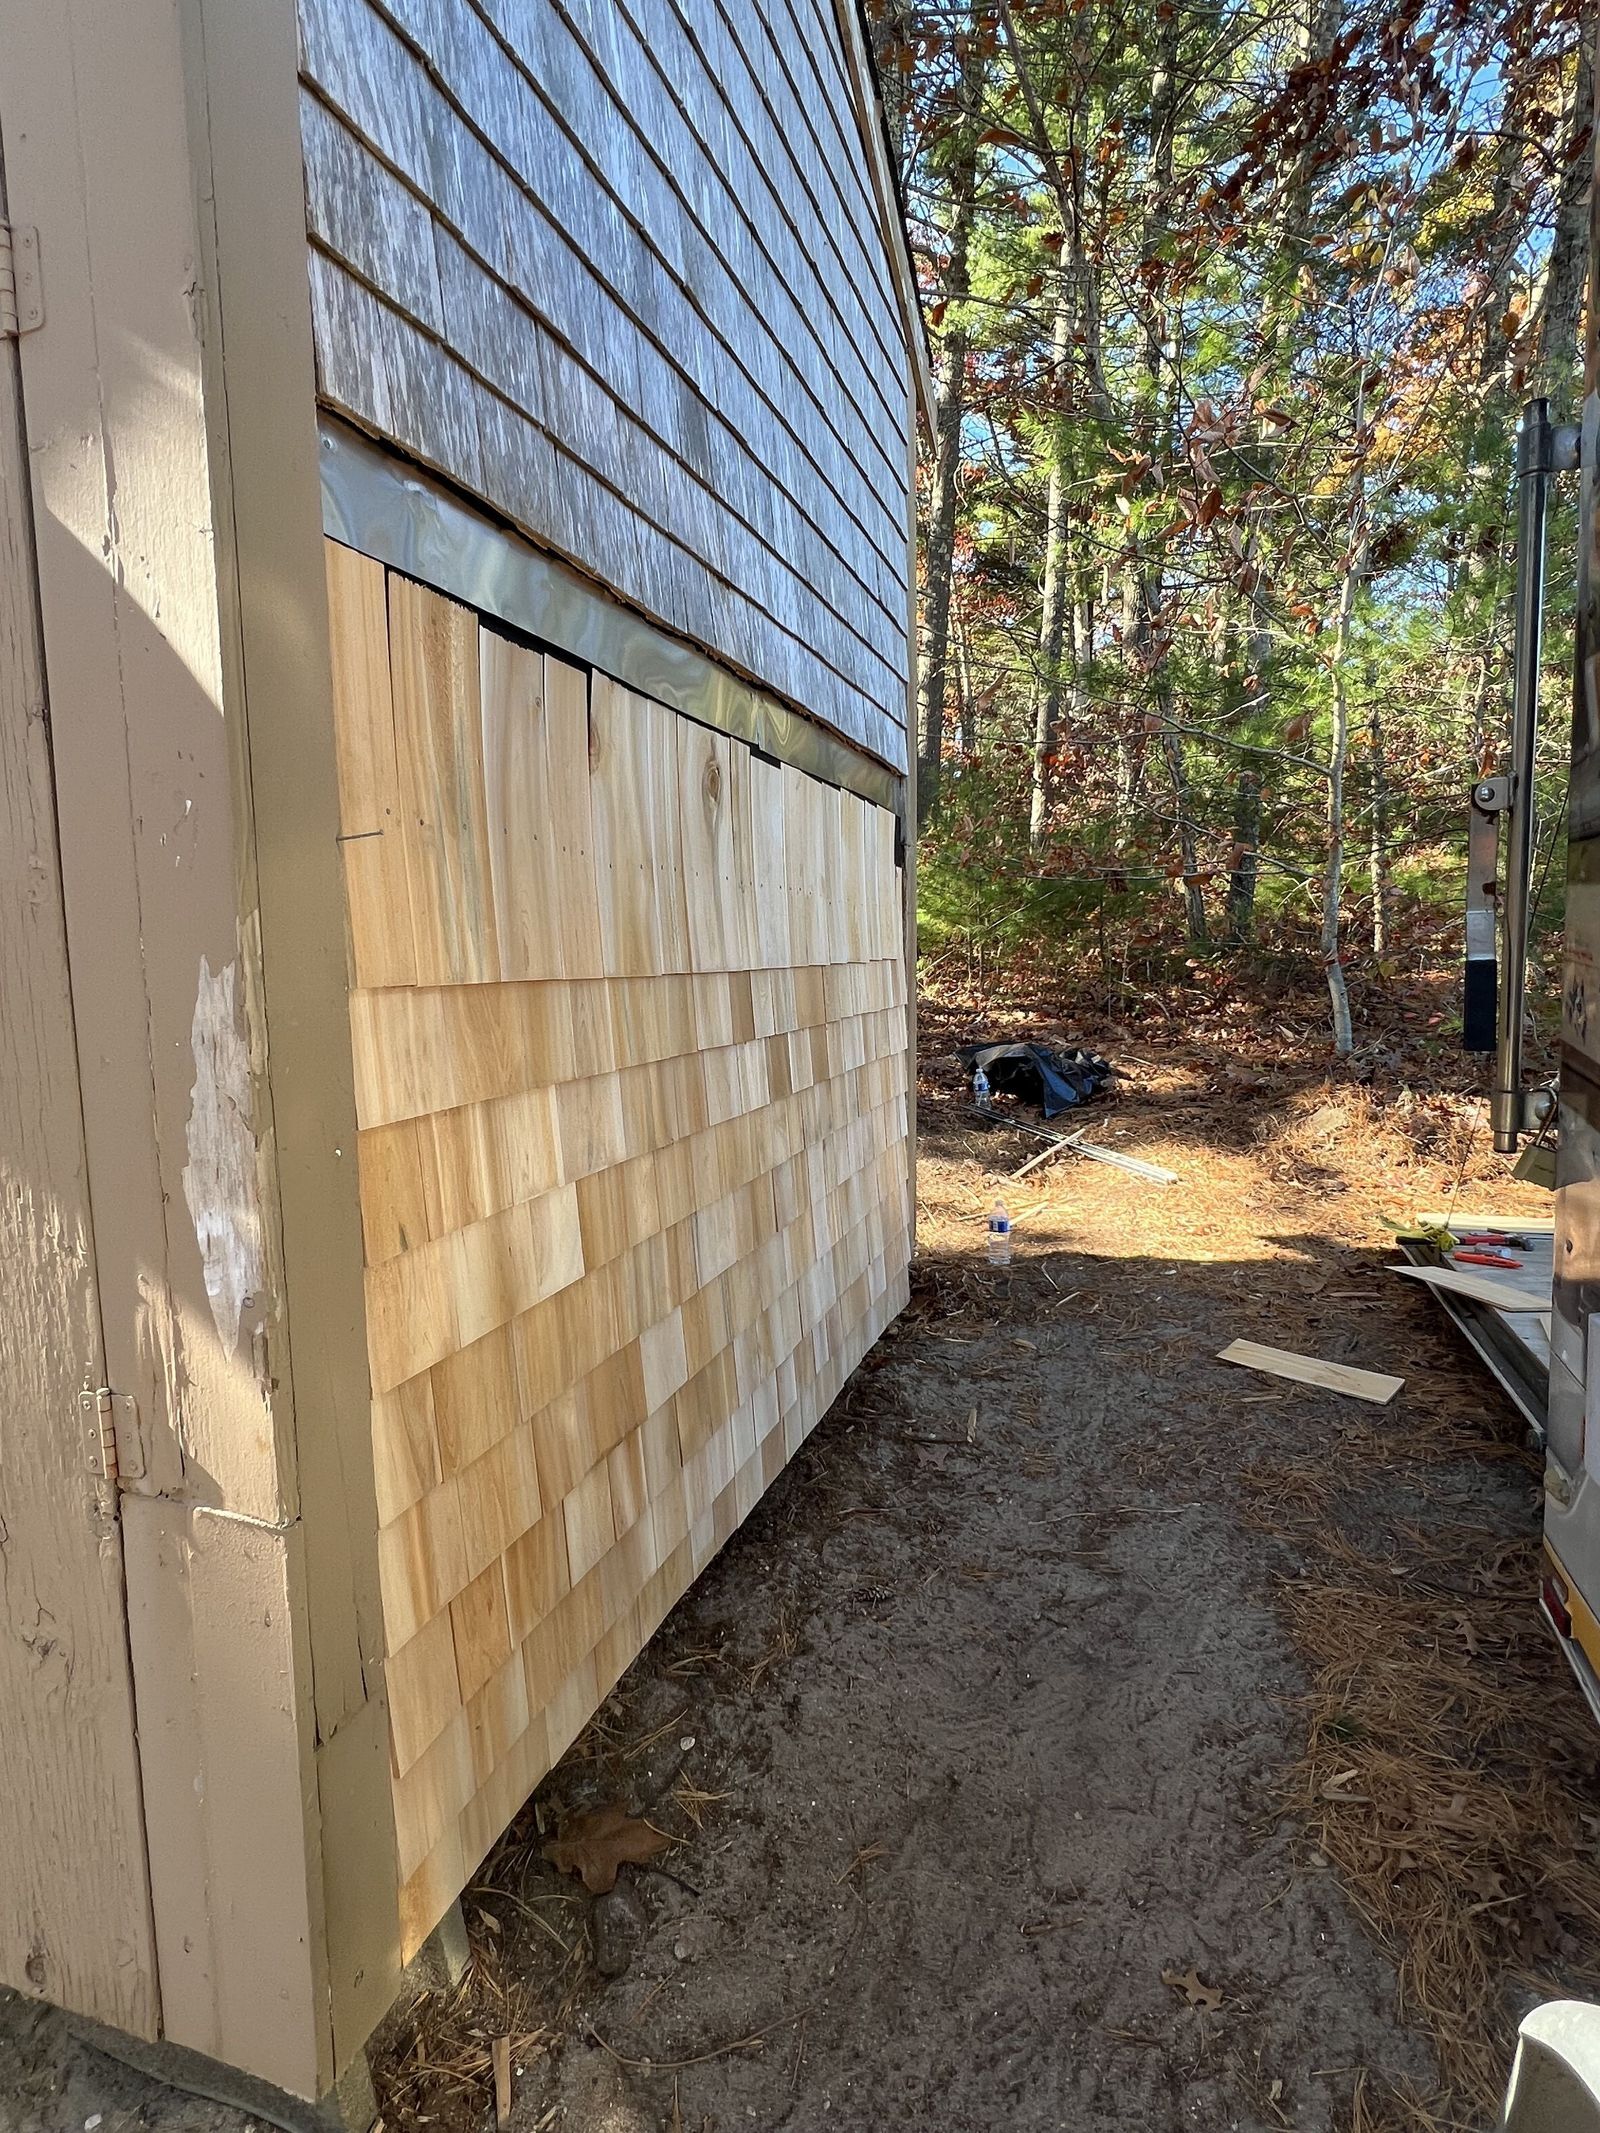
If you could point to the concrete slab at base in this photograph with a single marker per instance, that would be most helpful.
(352, 2108)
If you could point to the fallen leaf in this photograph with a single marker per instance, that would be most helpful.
(1456, 1815)
(1194, 1988)
(1334, 1789)
(594, 1845)
(1462, 1628)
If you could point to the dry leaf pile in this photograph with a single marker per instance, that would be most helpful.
(440, 2059)
(1450, 1778)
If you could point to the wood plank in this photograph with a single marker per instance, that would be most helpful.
(706, 812)
(664, 832)
(1371, 1385)
(567, 746)
(1509, 1225)
(371, 823)
(424, 1692)
(74, 1915)
(523, 856)
(773, 943)
(1505, 1291)
(630, 931)
(439, 747)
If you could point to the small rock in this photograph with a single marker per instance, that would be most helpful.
(696, 1936)
(617, 1926)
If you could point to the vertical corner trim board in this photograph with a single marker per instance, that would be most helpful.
(628, 1013)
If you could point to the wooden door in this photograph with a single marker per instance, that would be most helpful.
(74, 1885)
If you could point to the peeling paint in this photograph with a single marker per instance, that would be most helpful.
(219, 1179)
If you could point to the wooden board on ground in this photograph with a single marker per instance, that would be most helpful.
(1484, 1285)
(1374, 1385)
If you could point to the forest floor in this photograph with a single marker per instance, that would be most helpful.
(1083, 1733)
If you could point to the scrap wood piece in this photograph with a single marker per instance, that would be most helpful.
(1048, 1155)
(1503, 1291)
(1075, 1144)
(500, 2051)
(1374, 1385)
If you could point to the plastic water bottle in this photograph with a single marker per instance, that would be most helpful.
(980, 1088)
(999, 1235)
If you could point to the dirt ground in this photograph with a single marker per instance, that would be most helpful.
(1083, 1733)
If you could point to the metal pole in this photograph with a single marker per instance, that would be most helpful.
(1535, 464)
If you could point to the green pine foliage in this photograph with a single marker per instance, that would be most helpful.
(1234, 308)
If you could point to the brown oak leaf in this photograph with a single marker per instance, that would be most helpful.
(1194, 1988)
(595, 1844)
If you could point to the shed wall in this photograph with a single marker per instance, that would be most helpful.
(629, 1030)
(616, 268)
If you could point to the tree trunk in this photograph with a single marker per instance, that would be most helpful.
(1338, 753)
(1558, 364)
(1379, 833)
(1154, 417)
(1194, 902)
(1054, 613)
(1246, 864)
(966, 701)
(933, 681)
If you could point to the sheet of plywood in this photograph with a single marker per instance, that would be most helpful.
(1372, 1385)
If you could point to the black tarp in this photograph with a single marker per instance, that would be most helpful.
(1039, 1073)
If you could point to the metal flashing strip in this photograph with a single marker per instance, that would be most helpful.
(392, 511)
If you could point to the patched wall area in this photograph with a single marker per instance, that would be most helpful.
(629, 1023)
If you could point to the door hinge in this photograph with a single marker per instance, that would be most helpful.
(112, 1450)
(21, 290)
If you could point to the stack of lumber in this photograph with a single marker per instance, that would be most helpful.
(630, 1039)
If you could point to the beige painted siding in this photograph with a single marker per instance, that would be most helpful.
(616, 269)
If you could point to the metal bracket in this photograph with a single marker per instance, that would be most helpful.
(112, 1450)
(21, 290)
